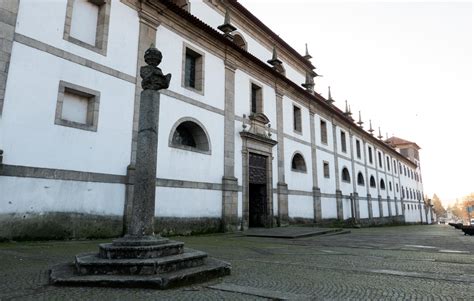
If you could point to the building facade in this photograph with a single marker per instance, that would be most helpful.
(243, 139)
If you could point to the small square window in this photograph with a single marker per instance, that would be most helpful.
(87, 24)
(324, 132)
(343, 142)
(326, 169)
(193, 69)
(297, 119)
(256, 99)
(77, 107)
(358, 149)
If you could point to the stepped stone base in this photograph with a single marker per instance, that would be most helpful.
(159, 263)
(66, 274)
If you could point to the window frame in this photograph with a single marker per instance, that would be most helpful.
(358, 151)
(345, 174)
(92, 106)
(327, 174)
(305, 170)
(323, 131)
(343, 139)
(185, 147)
(199, 69)
(102, 30)
(297, 121)
(258, 98)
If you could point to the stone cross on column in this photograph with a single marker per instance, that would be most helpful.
(141, 224)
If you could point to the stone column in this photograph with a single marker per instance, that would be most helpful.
(229, 181)
(369, 205)
(282, 187)
(389, 206)
(317, 214)
(339, 206)
(147, 36)
(141, 224)
(380, 206)
(340, 212)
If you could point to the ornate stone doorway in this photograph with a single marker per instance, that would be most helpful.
(258, 210)
(257, 188)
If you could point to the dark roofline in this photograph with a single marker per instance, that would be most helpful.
(270, 32)
(315, 97)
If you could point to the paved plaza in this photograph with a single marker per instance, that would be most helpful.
(399, 263)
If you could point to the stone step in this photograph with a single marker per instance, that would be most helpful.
(112, 251)
(92, 264)
(66, 274)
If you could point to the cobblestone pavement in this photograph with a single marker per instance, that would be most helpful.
(396, 263)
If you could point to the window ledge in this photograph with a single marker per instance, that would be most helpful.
(90, 47)
(77, 125)
(191, 149)
(300, 171)
(201, 92)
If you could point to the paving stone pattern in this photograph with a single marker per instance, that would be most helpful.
(389, 263)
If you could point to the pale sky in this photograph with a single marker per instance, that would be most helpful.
(405, 65)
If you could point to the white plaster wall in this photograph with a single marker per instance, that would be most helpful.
(328, 207)
(374, 159)
(243, 97)
(29, 195)
(375, 207)
(300, 206)
(275, 204)
(294, 75)
(31, 138)
(392, 206)
(372, 190)
(180, 164)
(339, 144)
(361, 189)
(361, 159)
(346, 207)
(385, 208)
(317, 124)
(346, 187)
(171, 45)
(44, 21)
(327, 185)
(288, 120)
(298, 180)
(206, 13)
(185, 202)
(363, 209)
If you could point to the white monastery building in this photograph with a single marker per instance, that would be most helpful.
(243, 139)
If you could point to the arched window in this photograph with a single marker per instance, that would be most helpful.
(345, 175)
(372, 182)
(189, 134)
(240, 41)
(360, 179)
(297, 163)
(382, 184)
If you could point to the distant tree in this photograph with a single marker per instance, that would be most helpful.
(467, 201)
(456, 209)
(438, 206)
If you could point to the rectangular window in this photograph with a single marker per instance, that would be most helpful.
(87, 24)
(326, 169)
(343, 142)
(256, 99)
(358, 148)
(324, 132)
(370, 155)
(394, 166)
(388, 163)
(380, 160)
(77, 107)
(193, 70)
(297, 119)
